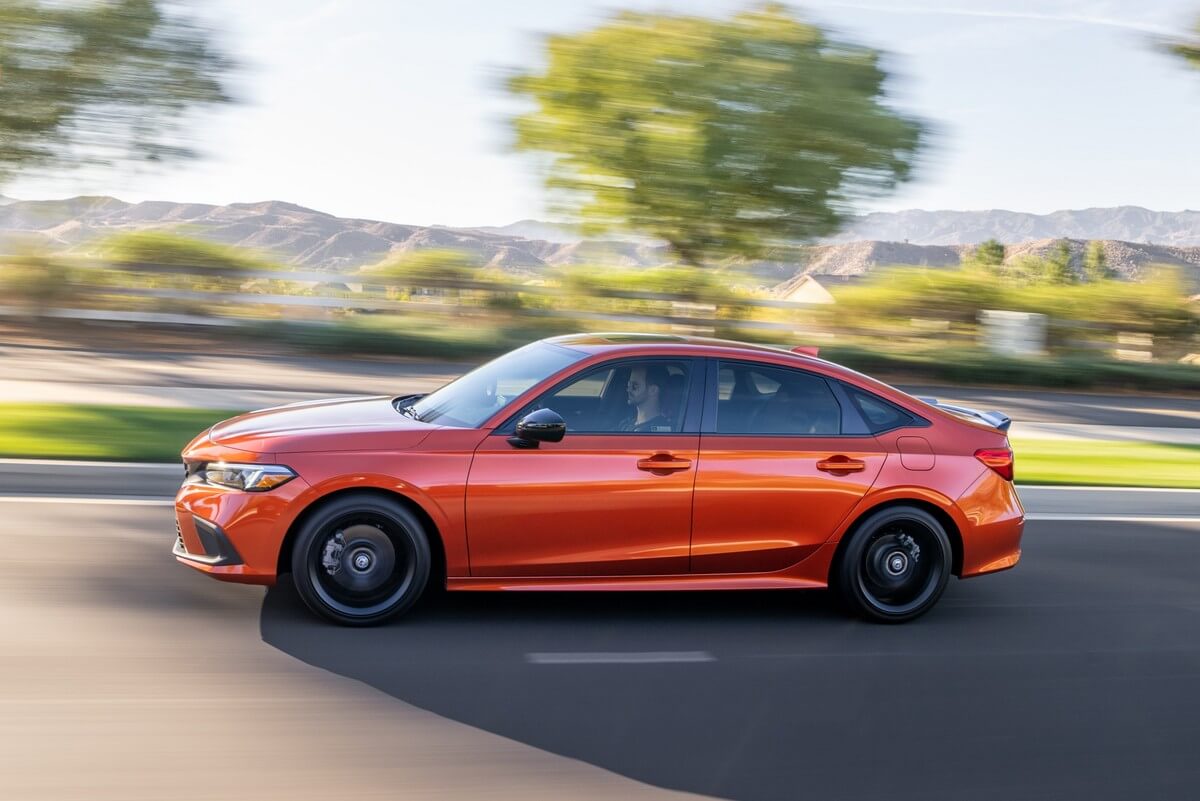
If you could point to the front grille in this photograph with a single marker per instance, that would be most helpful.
(179, 546)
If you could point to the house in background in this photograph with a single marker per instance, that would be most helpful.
(811, 289)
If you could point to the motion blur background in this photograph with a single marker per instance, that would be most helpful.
(209, 207)
(362, 180)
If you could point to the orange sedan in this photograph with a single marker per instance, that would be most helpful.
(608, 462)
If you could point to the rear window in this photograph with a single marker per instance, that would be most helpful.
(767, 400)
(880, 415)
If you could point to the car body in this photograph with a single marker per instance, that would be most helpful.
(753, 468)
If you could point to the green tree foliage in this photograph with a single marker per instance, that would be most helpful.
(164, 260)
(1058, 264)
(163, 249)
(989, 253)
(430, 267)
(1095, 262)
(1157, 305)
(1188, 48)
(100, 82)
(720, 136)
(37, 279)
(680, 282)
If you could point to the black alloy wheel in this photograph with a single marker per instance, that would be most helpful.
(895, 566)
(361, 559)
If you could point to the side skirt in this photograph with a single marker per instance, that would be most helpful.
(735, 581)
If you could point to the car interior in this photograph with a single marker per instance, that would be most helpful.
(598, 402)
(757, 399)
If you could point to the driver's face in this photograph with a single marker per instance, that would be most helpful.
(635, 388)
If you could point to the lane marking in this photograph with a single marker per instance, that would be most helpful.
(618, 657)
(1111, 518)
(175, 466)
(109, 500)
(153, 700)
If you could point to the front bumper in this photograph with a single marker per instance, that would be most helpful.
(216, 549)
(233, 535)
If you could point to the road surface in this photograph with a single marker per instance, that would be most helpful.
(124, 675)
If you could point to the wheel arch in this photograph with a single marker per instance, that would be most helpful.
(941, 514)
(436, 546)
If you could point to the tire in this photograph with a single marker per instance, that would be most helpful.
(895, 566)
(361, 559)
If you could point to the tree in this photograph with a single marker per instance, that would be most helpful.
(1095, 262)
(100, 82)
(1188, 49)
(989, 253)
(723, 137)
(1058, 264)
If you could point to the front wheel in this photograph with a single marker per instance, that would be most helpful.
(896, 565)
(360, 560)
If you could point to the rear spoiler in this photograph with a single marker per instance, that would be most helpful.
(997, 420)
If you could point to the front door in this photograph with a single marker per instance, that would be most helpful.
(613, 498)
(777, 473)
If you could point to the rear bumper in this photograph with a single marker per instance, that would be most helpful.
(231, 535)
(995, 524)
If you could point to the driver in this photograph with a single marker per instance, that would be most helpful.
(644, 391)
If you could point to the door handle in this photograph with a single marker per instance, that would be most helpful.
(841, 464)
(663, 462)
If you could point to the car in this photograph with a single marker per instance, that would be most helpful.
(608, 462)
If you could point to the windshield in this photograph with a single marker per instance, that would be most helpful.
(467, 401)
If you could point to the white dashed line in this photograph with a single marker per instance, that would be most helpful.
(108, 500)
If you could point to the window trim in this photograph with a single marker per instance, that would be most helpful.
(708, 426)
(693, 398)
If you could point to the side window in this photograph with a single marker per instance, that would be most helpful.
(879, 414)
(637, 396)
(759, 399)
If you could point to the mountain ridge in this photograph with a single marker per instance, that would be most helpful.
(316, 240)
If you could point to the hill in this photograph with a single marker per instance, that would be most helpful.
(312, 239)
(1122, 223)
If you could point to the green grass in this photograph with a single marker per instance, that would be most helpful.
(132, 433)
(110, 433)
(1103, 463)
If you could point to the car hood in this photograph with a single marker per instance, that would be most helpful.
(368, 423)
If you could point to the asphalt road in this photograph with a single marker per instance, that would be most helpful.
(126, 676)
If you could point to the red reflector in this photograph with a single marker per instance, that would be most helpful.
(999, 459)
(807, 350)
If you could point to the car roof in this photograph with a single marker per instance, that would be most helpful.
(638, 343)
(594, 343)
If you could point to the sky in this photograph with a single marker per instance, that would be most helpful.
(394, 110)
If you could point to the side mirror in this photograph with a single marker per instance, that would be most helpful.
(541, 425)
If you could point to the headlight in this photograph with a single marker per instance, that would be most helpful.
(248, 477)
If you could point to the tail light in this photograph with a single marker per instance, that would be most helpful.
(999, 459)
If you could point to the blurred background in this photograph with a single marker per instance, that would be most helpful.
(209, 207)
(354, 180)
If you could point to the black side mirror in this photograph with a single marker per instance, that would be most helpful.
(542, 425)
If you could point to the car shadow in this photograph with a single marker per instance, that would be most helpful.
(748, 695)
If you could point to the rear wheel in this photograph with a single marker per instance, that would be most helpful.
(361, 559)
(896, 565)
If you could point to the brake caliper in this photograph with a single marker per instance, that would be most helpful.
(331, 558)
(911, 546)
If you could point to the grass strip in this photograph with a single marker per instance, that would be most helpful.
(1105, 463)
(108, 433)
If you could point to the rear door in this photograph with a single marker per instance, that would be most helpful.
(605, 501)
(781, 465)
